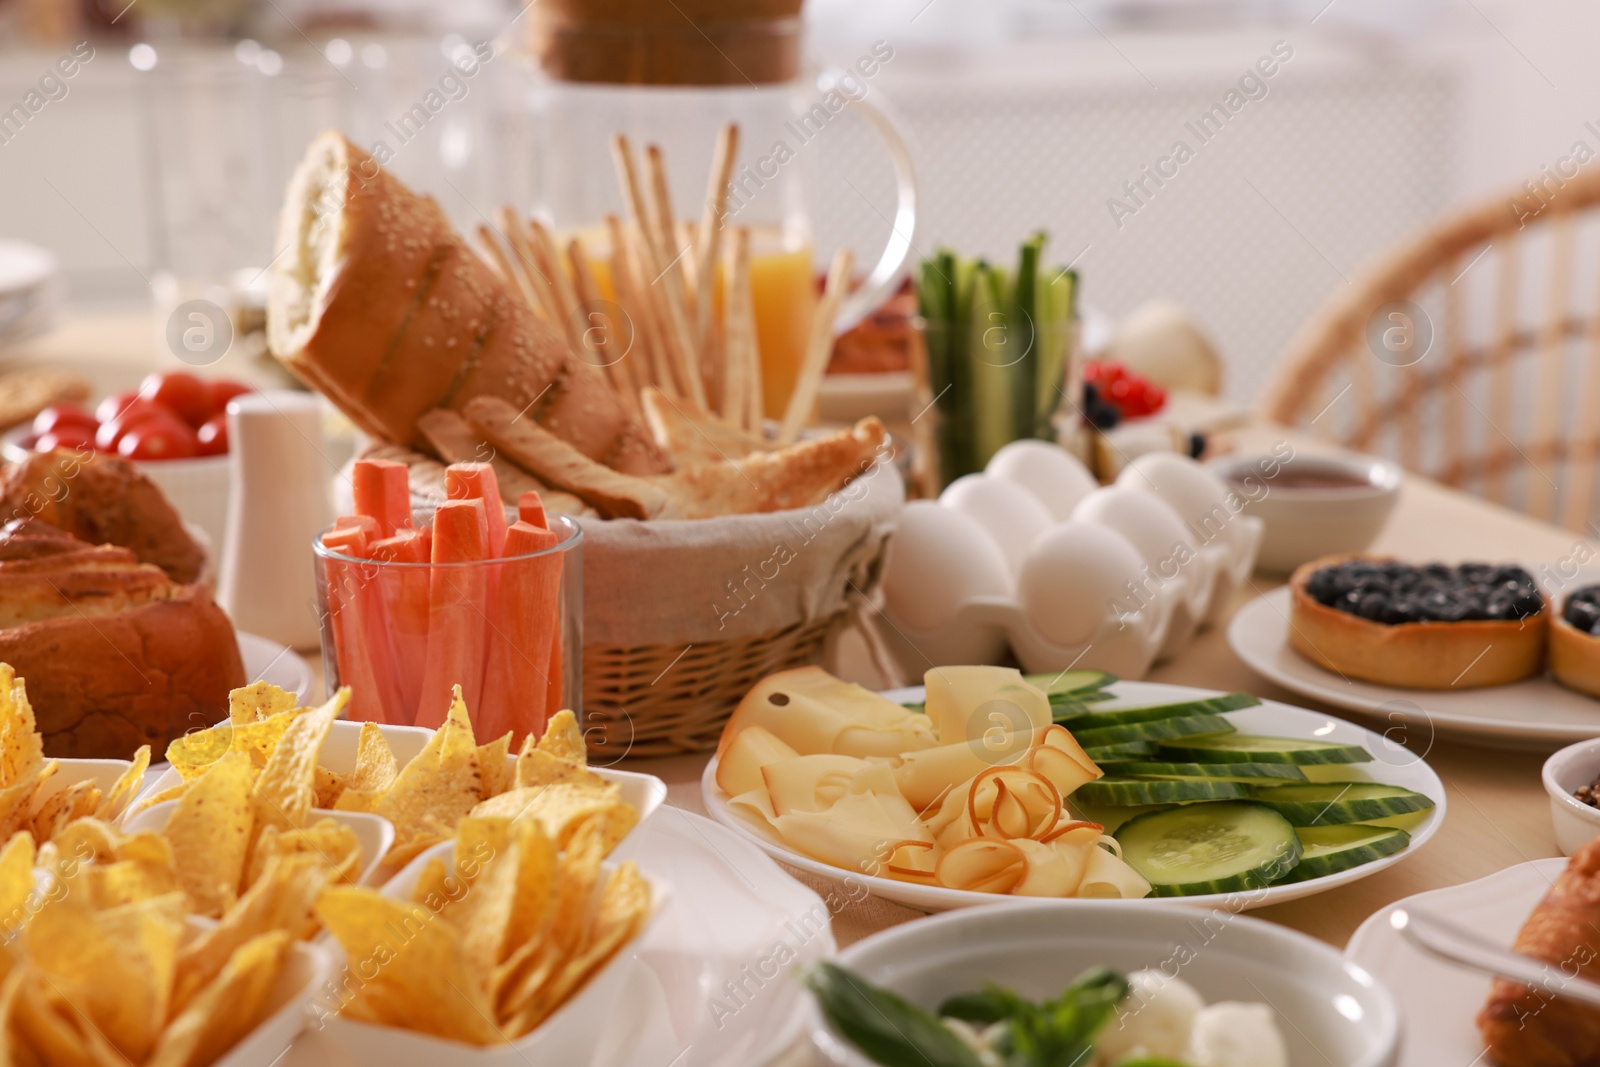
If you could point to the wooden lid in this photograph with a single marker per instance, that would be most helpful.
(667, 42)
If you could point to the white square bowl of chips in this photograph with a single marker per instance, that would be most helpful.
(422, 781)
(517, 954)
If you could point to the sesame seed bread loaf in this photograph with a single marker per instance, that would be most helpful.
(379, 305)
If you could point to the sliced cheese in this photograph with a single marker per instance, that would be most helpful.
(739, 768)
(813, 712)
(810, 783)
(927, 777)
(1052, 870)
(858, 833)
(970, 703)
(1108, 876)
(755, 805)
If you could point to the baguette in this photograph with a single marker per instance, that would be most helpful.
(379, 305)
(795, 477)
(690, 439)
(455, 441)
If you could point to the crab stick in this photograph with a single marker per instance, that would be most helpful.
(403, 592)
(356, 616)
(530, 509)
(382, 491)
(476, 481)
(516, 683)
(458, 605)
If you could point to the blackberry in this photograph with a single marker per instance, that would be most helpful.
(1392, 593)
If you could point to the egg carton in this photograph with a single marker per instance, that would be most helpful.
(1128, 643)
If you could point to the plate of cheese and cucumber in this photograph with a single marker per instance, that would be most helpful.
(1219, 799)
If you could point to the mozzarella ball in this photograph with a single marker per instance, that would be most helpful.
(1232, 1034)
(1154, 1020)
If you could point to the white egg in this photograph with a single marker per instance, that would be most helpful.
(1051, 473)
(937, 559)
(1201, 498)
(1155, 1019)
(1008, 512)
(1232, 1034)
(1074, 578)
(1153, 525)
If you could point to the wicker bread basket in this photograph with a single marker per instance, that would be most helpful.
(681, 618)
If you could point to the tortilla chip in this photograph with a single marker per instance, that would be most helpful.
(257, 701)
(210, 831)
(229, 1008)
(494, 762)
(326, 787)
(563, 738)
(563, 807)
(435, 790)
(114, 803)
(285, 790)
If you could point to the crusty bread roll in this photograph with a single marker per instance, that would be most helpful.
(1528, 1027)
(101, 499)
(376, 303)
(116, 654)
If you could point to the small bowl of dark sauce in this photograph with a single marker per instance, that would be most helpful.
(1312, 505)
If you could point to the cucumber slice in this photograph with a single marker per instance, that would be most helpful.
(1209, 848)
(1324, 803)
(1331, 849)
(1253, 773)
(1117, 792)
(1184, 726)
(1121, 750)
(1071, 685)
(1250, 748)
(1075, 719)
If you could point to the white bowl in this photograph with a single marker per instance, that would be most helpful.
(374, 834)
(1576, 823)
(1330, 1011)
(571, 1035)
(1303, 524)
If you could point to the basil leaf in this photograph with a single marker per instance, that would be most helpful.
(992, 1004)
(888, 1029)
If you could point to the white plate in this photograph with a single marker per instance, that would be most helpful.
(1536, 714)
(267, 661)
(727, 908)
(1439, 1001)
(1391, 764)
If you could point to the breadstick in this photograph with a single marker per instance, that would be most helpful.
(537, 275)
(820, 346)
(629, 258)
(497, 259)
(603, 348)
(735, 390)
(708, 250)
(667, 281)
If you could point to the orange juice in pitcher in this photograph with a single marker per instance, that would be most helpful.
(673, 75)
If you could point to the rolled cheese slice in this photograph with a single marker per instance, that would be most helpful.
(972, 703)
(858, 833)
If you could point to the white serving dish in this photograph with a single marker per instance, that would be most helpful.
(307, 970)
(1303, 524)
(1536, 714)
(1329, 1011)
(1439, 1001)
(1127, 646)
(727, 908)
(69, 772)
(1575, 822)
(374, 834)
(1391, 764)
(571, 1035)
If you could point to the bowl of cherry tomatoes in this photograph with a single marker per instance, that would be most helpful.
(174, 427)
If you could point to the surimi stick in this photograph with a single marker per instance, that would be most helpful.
(457, 600)
(403, 591)
(355, 624)
(476, 481)
(530, 509)
(382, 490)
(365, 523)
(809, 380)
(526, 624)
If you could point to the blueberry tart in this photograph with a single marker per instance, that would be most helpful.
(1575, 641)
(1433, 626)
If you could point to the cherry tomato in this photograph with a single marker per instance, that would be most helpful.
(1119, 391)
(72, 438)
(112, 406)
(163, 438)
(224, 390)
(213, 435)
(63, 415)
(185, 395)
(139, 409)
(1158, 398)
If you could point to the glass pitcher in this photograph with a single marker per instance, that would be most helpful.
(672, 73)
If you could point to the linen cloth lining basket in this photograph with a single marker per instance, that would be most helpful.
(682, 617)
